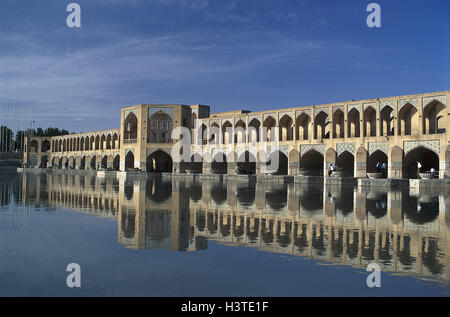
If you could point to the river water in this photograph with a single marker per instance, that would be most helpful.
(158, 236)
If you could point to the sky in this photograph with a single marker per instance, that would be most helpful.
(229, 54)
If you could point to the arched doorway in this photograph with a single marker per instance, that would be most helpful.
(246, 163)
(104, 163)
(83, 163)
(321, 126)
(426, 157)
(45, 146)
(338, 124)
(302, 126)
(374, 158)
(116, 163)
(433, 118)
(159, 162)
(277, 163)
(129, 161)
(312, 162)
(406, 119)
(72, 163)
(286, 130)
(159, 128)
(253, 130)
(270, 129)
(353, 123)
(130, 127)
(44, 161)
(196, 165)
(346, 161)
(93, 162)
(219, 164)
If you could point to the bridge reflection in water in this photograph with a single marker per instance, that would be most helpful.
(404, 231)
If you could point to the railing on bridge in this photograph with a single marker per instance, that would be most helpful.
(159, 140)
(130, 140)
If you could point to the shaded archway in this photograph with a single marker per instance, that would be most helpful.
(214, 134)
(426, 157)
(227, 132)
(277, 163)
(312, 162)
(386, 117)
(72, 163)
(433, 118)
(302, 126)
(34, 146)
(93, 163)
(374, 158)
(44, 161)
(321, 126)
(219, 164)
(346, 162)
(253, 130)
(116, 163)
(407, 120)
(270, 132)
(159, 128)
(130, 127)
(353, 123)
(246, 163)
(285, 128)
(45, 146)
(239, 132)
(338, 124)
(83, 163)
(104, 163)
(196, 165)
(159, 162)
(370, 120)
(115, 141)
(129, 161)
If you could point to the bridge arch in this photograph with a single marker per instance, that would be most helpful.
(129, 161)
(374, 158)
(312, 162)
(407, 116)
(246, 163)
(116, 162)
(433, 118)
(219, 163)
(303, 123)
(159, 162)
(130, 126)
(346, 161)
(429, 159)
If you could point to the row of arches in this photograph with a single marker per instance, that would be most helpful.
(313, 162)
(277, 163)
(322, 126)
(88, 143)
(83, 162)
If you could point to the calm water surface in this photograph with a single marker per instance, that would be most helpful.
(163, 237)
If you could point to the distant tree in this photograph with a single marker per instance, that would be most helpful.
(20, 135)
(6, 139)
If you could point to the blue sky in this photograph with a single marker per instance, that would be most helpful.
(230, 54)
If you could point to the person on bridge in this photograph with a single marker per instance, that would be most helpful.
(330, 171)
